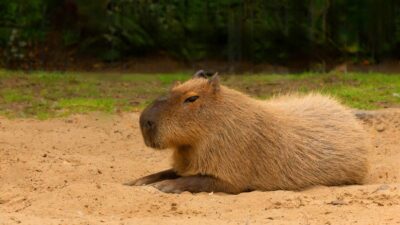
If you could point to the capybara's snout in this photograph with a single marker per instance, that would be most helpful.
(149, 122)
(148, 127)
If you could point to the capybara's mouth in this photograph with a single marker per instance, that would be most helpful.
(156, 146)
(150, 142)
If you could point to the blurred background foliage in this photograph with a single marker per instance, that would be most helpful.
(189, 30)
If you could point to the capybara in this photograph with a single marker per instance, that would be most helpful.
(226, 141)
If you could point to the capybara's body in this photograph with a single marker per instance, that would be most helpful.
(226, 141)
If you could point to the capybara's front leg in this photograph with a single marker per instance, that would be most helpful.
(156, 177)
(195, 184)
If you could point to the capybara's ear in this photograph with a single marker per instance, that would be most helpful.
(214, 82)
(200, 74)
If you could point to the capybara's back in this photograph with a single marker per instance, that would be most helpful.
(226, 141)
(324, 143)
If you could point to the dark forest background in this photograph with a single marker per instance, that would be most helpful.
(273, 31)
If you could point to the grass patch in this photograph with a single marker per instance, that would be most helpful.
(10, 96)
(87, 104)
(168, 79)
(48, 94)
(367, 91)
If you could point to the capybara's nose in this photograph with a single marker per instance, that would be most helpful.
(148, 121)
(150, 116)
(149, 125)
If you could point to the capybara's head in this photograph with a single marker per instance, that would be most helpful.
(178, 118)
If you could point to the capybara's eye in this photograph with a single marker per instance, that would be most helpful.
(191, 99)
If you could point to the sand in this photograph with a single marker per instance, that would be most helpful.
(71, 170)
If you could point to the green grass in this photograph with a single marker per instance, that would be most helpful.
(367, 91)
(87, 104)
(51, 94)
(10, 96)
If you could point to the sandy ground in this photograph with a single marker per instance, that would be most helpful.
(71, 170)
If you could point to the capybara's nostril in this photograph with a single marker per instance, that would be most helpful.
(149, 125)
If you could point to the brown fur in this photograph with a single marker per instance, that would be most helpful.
(226, 141)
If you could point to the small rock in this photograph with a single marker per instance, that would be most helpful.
(338, 202)
(16, 220)
(383, 187)
(174, 206)
(380, 127)
(379, 203)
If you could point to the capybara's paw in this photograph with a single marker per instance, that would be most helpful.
(139, 182)
(153, 178)
(169, 186)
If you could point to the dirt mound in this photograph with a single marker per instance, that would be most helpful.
(384, 128)
(71, 170)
